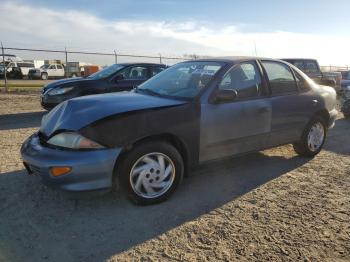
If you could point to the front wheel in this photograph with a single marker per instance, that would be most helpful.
(151, 172)
(44, 76)
(312, 139)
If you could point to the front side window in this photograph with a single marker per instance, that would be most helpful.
(135, 73)
(59, 67)
(183, 80)
(280, 77)
(301, 82)
(52, 67)
(243, 78)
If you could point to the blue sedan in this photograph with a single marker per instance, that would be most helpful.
(192, 112)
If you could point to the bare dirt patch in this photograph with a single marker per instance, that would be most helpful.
(271, 205)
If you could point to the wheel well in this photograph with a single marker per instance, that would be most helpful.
(169, 138)
(324, 115)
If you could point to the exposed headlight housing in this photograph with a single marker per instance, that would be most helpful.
(73, 141)
(60, 90)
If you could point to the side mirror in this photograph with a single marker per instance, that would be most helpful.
(119, 77)
(225, 95)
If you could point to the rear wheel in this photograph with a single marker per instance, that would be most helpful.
(151, 172)
(312, 139)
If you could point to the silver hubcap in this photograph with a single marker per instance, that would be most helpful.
(315, 137)
(152, 175)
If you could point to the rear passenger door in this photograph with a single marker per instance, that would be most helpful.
(289, 107)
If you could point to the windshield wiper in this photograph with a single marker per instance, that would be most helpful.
(147, 91)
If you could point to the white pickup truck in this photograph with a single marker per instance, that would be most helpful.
(47, 71)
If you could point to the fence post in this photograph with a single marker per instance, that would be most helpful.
(66, 67)
(115, 57)
(5, 69)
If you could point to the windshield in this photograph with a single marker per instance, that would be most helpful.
(184, 80)
(106, 72)
(44, 66)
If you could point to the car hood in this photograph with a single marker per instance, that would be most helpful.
(67, 82)
(77, 113)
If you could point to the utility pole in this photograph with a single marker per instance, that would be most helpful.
(5, 69)
(115, 57)
(66, 67)
(256, 53)
(160, 58)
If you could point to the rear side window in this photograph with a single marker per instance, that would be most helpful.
(245, 79)
(281, 79)
(301, 82)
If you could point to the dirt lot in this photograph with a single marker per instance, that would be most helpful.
(271, 205)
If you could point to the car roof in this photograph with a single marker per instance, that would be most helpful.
(236, 59)
(303, 59)
(128, 64)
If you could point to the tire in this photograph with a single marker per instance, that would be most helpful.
(44, 76)
(308, 147)
(149, 184)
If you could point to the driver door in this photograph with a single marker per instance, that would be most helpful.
(238, 126)
(132, 77)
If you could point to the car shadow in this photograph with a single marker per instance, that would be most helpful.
(39, 223)
(21, 120)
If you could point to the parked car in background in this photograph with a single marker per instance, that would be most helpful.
(19, 70)
(191, 113)
(312, 69)
(47, 71)
(345, 82)
(345, 97)
(115, 78)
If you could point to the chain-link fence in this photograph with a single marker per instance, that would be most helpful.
(65, 57)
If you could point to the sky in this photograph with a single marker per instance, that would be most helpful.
(271, 28)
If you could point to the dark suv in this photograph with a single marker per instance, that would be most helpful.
(114, 78)
(312, 69)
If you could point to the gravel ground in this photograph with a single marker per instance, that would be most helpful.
(271, 205)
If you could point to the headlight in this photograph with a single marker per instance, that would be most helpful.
(347, 88)
(60, 90)
(73, 140)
